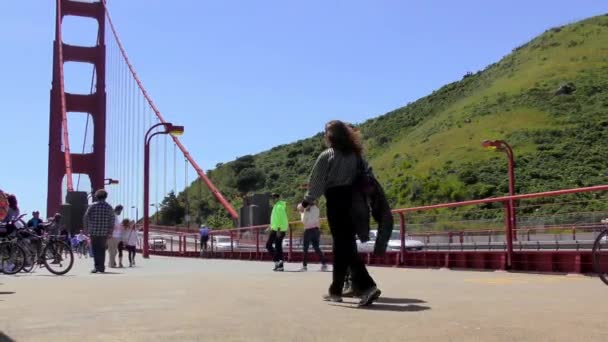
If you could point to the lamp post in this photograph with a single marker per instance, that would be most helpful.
(157, 207)
(136, 214)
(110, 181)
(169, 129)
(502, 146)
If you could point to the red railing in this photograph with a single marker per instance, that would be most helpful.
(249, 242)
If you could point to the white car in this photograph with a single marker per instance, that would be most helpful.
(394, 244)
(223, 242)
(157, 243)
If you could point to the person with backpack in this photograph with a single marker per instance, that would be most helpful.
(279, 224)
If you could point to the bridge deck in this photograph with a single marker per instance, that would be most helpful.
(217, 300)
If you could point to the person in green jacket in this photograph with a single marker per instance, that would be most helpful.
(279, 223)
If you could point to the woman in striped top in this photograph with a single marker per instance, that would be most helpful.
(333, 175)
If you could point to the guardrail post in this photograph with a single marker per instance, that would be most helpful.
(257, 243)
(231, 242)
(402, 226)
(574, 233)
(509, 233)
(290, 243)
(171, 243)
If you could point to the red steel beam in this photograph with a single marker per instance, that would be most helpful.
(64, 116)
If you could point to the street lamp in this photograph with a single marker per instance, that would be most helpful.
(169, 129)
(136, 214)
(110, 181)
(502, 146)
(157, 207)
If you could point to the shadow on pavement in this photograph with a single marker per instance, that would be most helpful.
(6, 293)
(398, 308)
(389, 300)
(102, 273)
(4, 338)
(390, 304)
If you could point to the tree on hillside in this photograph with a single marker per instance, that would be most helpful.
(172, 211)
(250, 179)
(242, 163)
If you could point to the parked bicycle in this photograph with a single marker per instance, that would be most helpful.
(12, 256)
(600, 253)
(39, 249)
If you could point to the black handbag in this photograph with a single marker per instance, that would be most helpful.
(364, 181)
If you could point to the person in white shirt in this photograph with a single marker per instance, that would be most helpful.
(310, 217)
(115, 239)
(129, 238)
(82, 244)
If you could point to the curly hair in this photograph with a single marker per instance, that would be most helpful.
(343, 137)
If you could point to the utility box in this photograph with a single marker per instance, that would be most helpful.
(78, 203)
(255, 211)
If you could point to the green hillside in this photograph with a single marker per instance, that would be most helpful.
(429, 151)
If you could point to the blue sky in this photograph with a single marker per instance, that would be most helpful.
(244, 76)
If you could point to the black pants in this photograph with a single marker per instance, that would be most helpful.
(312, 235)
(121, 247)
(204, 240)
(131, 250)
(274, 245)
(346, 256)
(99, 245)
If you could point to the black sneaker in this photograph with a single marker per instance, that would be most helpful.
(369, 296)
(93, 271)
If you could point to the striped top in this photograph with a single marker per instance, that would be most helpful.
(331, 169)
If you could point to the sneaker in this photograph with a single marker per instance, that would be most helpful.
(369, 296)
(323, 268)
(303, 269)
(93, 271)
(349, 293)
(121, 266)
(332, 298)
(280, 267)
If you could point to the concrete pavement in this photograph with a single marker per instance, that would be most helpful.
(218, 300)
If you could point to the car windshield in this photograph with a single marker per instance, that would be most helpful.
(396, 235)
(222, 239)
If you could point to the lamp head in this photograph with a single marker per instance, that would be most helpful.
(495, 145)
(173, 129)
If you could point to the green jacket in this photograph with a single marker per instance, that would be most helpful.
(278, 218)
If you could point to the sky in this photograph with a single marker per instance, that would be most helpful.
(244, 76)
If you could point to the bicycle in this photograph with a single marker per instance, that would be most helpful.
(600, 253)
(12, 256)
(48, 250)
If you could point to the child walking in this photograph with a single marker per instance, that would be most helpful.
(312, 234)
(129, 239)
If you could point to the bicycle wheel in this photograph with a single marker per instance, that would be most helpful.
(30, 256)
(12, 258)
(58, 257)
(600, 256)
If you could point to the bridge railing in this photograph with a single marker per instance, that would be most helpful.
(423, 240)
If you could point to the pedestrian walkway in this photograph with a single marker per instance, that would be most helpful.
(177, 299)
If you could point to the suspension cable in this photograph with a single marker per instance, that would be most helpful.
(216, 193)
